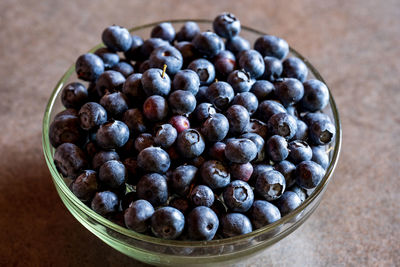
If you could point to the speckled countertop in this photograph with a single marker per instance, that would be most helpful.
(354, 44)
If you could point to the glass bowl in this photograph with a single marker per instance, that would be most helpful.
(157, 251)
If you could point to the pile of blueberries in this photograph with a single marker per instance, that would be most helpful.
(192, 135)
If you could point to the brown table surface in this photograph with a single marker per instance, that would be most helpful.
(354, 44)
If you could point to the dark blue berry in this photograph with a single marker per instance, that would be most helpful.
(164, 31)
(287, 169)
(215, 128)
(238, 118)
(259, 142)
(309, 174)
(234, 224)
(150, 44)
(252, 62)
(294, 68)
(110, 81)
(133, 53)
(115, 103)
(262, 89)
(190, 143)
(154, 83)
(187, 32)
(220, 94)
(247, 100)
(85, 185)
(215, 174)
(301, 193)
(263, 213)
(102, 157)
(74, 95)
(113, 134)
(240, 150)
(153, 188)
(240, 81)
(70, 160)
(182, 102)
(270, 185)
(302, 131)
(289, 91)
(238, 196)
(257, 170)
(316, 95)
(68, 111)
(112, 174)
(226, 25)
(241, 171)
(322, 132)
(154, 159)
(299, 151)
(155, 108)
(89, 66)
(137, 217)
(202, 195)
(117, 38)
(167, 223)
(277, 148)
(124, 68)
(320, 156)
(104, 203)
(202, 223)
(283, 124)
(187, 80)
(203, 111)
(311, 118)
(134, 119)
(133, 88)
(144, 140)
(237, 44)
(109, 58)
(204, 69)
(188, 52)
(92, 115)
(166, 55)
(273, 69)
(217, 151)
(269, 45)
(180, 123)
(181, 179)
(66, 129)
(268, 108)
(165, 135)
(207, 43)
(288, 202)
(181, 204)
(201, 95)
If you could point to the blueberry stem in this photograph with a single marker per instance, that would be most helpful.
(329, 150)
(163, 72)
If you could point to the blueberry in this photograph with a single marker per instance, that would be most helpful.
(165, 135)
(268, 108)
(109, 58)
(154, 83)
(182, 102)
(220, 94)
(143, 66)
(180, 123)
(133, 88)
(112, 135)
(237, 44)
(283, 124)
(167, 223)
(263, 213)
(70, 160)
(234, 224)
(117, 38)
(241, 171)
(273, 69)
(309, 174)
(215, 128)
(289, 91)
(155, 108)
(164, 31)
(102, 157)
(257, 127)
(197, 161)
(202, 195)
(138, 216)
(204, 69)
(269, 45)
(190, 143)
(154, 159)
(259, 142)
(299, 151)
(238, 118)
(240, 81)
(188, 52)
(270, 185)
(66, 129)
(320, 156)
(124, 68)
(238, 196)
(217, 151)
(257, 170)
(215, 174)
(181, 179)
(247, 100)
(112, 174)
(150, 44)
(85, 185)
(252, 62)
(187, 80)
(181, 204)
(202, 223)
(288, 202)
(115, 103)
(69, 111)
(240, 150)
(110, 81)
(226, 25)
(153, 188)
(294, 68)
(262, 89)
(287, 169)
(316, 95)
(207, 43)
(302, 131)
(74, 95)
(203, 111)
(133, 53)
(92, 115)
(301, 193)
(322, 132)
(134, 119)
(91, 148)
(104, 203)
(166, 55)
(187, 32)
(277, 148)
(201, 95)
(144, 140)
(89, 67)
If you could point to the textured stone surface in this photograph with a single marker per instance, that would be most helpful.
(354, 44)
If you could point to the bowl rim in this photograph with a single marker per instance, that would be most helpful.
(59, 180)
